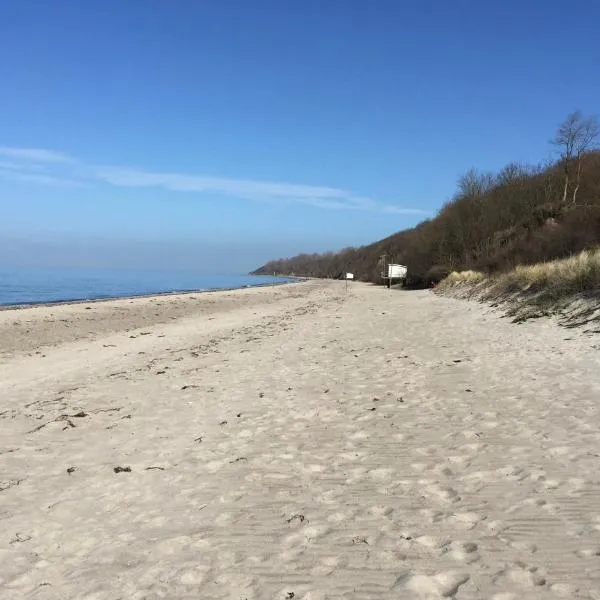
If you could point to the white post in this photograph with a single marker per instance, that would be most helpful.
(348, 276)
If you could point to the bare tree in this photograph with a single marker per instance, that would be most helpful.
(576, 136)
(473, 183)
(512, 173)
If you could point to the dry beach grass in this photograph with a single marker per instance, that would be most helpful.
(569, 287)
(297, 442)
(556, 279)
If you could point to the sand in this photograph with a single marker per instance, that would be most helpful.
(297, 442)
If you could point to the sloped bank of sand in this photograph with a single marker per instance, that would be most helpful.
(303, 443)
(565, 289)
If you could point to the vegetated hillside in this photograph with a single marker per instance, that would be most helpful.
(521, 215)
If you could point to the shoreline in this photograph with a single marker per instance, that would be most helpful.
(75, 301)
(31, 327)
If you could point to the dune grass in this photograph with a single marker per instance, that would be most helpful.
(460, 277)
(532, 290)
(576, 274)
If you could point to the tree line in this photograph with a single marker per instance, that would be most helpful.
(494, 221)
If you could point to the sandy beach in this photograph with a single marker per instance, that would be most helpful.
(297, 442)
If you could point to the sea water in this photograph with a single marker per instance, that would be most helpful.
(42, 285)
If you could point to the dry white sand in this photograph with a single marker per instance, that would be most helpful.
(297, 442)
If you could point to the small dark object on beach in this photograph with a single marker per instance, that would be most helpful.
(122, 469)
(240, 458)
(261, 395)
(401, 399)
(4, 485)
(468, 390)
(300, 518)
(160, 372)
(157, 468)
(198, 440)
(88, 308)
(223, 423)
(357, 539)
(290, 595)
(20, 538)
(71, 470)
(372, 408)
(61, 418)
(457, 360)
(375, 399)
(238, 415)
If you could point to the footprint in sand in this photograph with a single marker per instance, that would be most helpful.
(305, 536)
(329, 565)
(194, 577)
(443, 493)
(466, 520)
(521, 575)
(381, 511)
(464, 551)
(314, 595)
(591, 552)
(441, 585)
(434, 545)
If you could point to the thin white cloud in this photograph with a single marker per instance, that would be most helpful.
(41, 179)
(35, 155)
(10, 166)
(27, 167)
(265, 191)
(232, 187)
(61, 169)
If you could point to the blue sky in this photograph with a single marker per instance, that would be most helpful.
(179, 131)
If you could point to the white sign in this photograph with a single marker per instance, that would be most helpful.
(349, 275)
(397, 271)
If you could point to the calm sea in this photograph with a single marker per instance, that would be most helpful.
(35, 286)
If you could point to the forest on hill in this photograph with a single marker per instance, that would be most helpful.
(494, 222)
